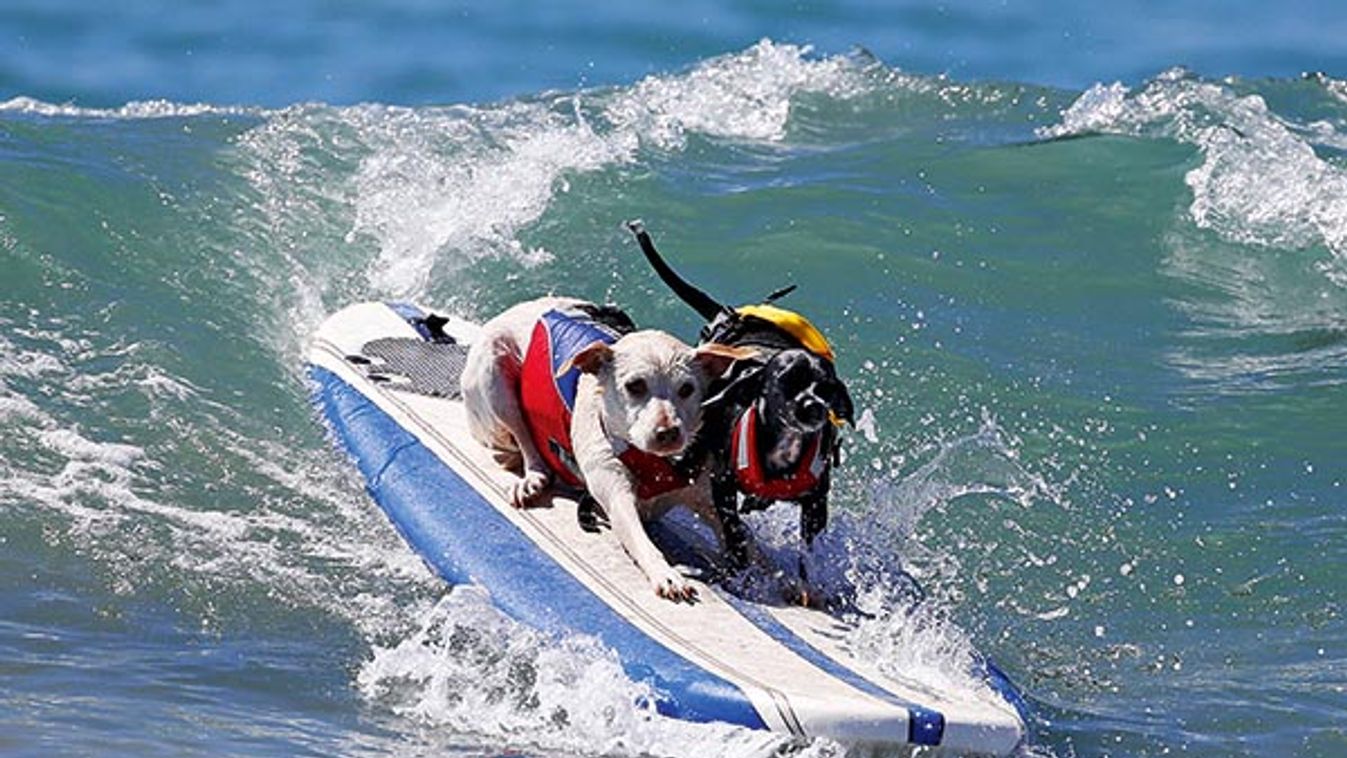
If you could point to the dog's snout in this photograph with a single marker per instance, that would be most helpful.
(669, 435)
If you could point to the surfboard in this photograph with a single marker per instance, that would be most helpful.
(385, 377)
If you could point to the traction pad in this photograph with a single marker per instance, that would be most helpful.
(414, 365)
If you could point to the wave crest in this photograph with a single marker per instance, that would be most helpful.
(1261, 182)
(432, 190)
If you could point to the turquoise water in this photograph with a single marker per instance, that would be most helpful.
(1092, 305)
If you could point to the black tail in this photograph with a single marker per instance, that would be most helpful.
(701, 302)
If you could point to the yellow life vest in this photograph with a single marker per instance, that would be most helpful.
(793, 324)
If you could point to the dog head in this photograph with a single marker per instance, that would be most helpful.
(801, 391)
(652, 386)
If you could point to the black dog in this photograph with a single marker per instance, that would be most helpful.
(770, 425)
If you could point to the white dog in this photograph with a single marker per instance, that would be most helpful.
(563, 388)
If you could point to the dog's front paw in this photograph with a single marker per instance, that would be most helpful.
(674, 586)
(528, 488)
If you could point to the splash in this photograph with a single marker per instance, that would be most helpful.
(876, 568)
(967, 546)
(983, 463)
(469, 668)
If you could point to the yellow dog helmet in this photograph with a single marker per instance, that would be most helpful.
(793, 324)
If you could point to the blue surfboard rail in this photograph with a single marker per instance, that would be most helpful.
(464, 539)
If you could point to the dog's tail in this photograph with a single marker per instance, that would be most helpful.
(705, 305)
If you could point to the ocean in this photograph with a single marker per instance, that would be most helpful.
(1084, 268)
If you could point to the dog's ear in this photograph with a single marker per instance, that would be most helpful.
(715, 359)
(813, 518)
(745, 382)
(844, 411)
(590, 359)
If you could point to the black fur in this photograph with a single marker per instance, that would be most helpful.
(798, 393)
(610, 316)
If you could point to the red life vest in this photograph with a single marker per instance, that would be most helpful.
(547, 398)
(752, 476)
(655, 475)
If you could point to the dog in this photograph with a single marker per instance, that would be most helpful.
(566, 390)
(771, 424)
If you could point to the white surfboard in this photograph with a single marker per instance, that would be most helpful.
(386, 378)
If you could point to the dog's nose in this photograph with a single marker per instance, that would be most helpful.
(668, 435)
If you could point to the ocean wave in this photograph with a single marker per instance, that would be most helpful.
(424, 193)
(743, 96)
(1335, 87)
(149, 509)
(138, 109)
(432, 190)
(1260, 182)
(1270, 288)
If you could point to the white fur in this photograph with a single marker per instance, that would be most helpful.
(605, 413)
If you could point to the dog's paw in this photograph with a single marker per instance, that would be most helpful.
(674, 586)
(528, 488)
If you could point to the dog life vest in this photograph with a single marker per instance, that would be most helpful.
(547, 398)
(752, 476)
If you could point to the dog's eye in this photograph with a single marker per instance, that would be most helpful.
(636, 388)
(686, 389)
(796, 375)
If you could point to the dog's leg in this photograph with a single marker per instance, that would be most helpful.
(733, 532)
(814, 510)
(665, 579)
(490, 388)
(484, 368)
(813, 520)
(609, 481)
(611, 485)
